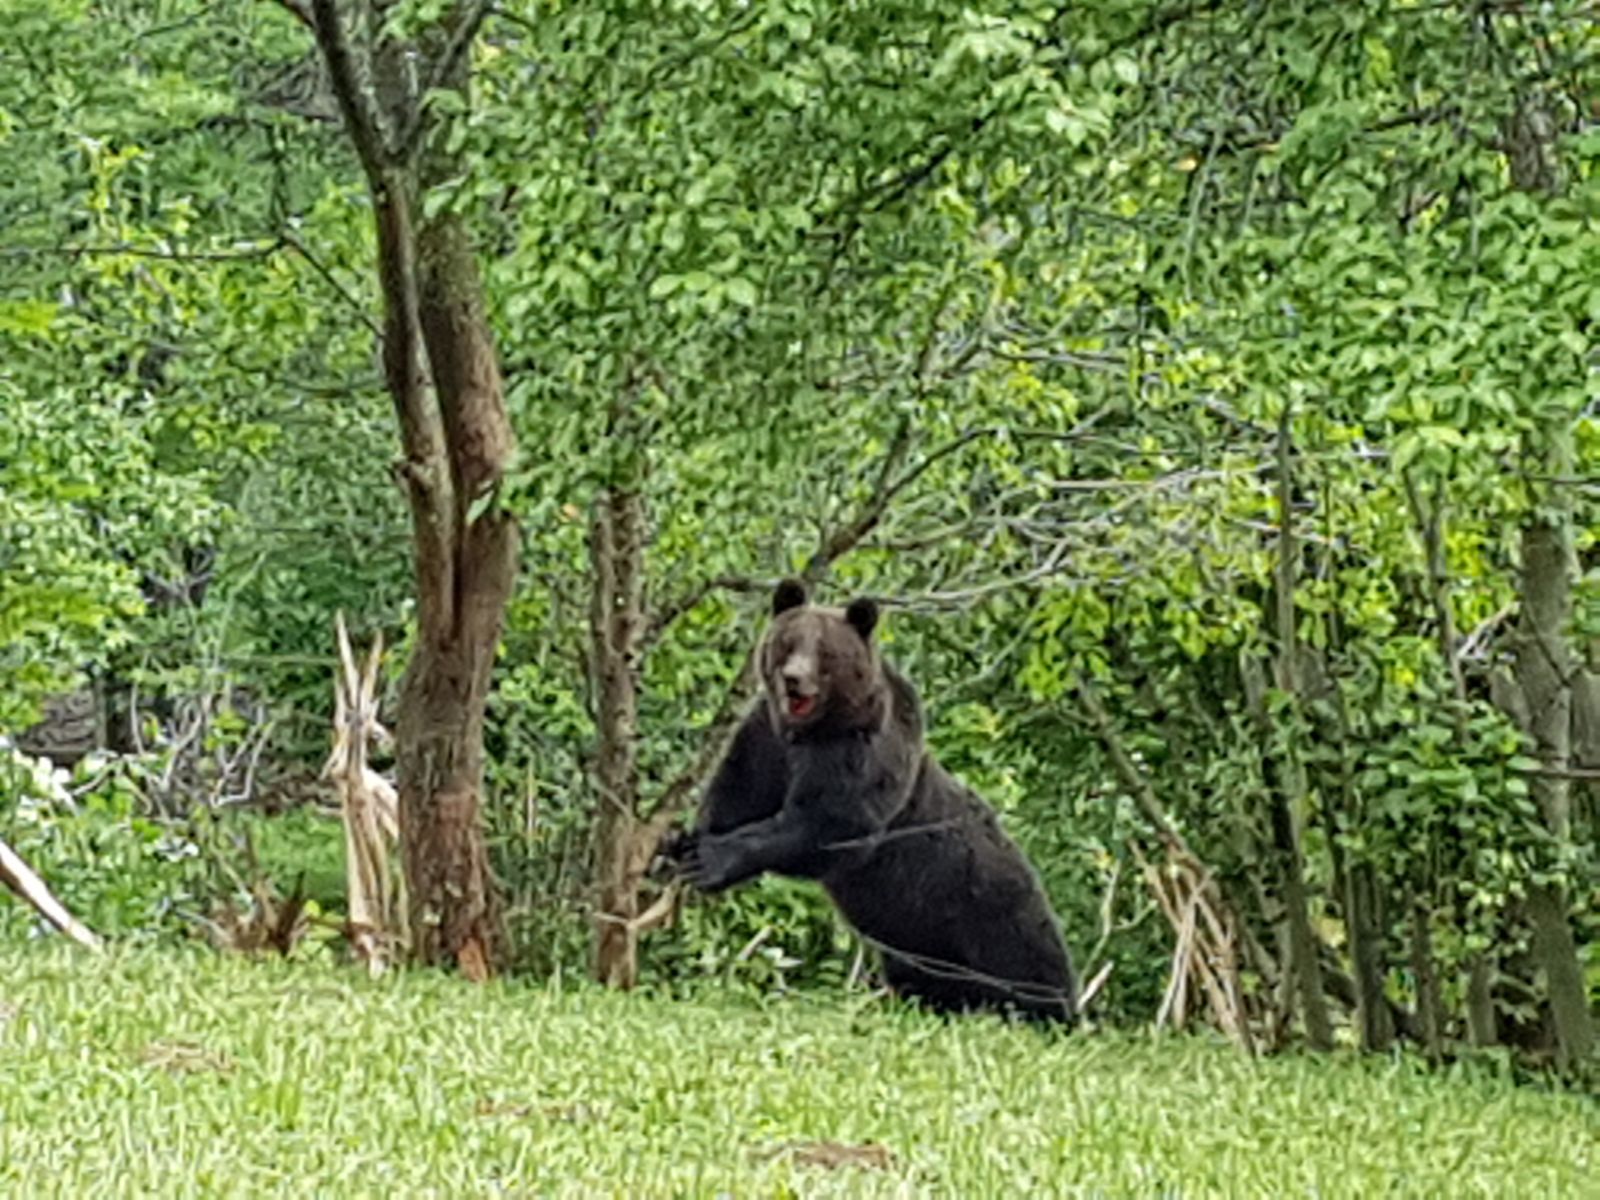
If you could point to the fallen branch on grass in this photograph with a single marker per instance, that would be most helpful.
(21, 878)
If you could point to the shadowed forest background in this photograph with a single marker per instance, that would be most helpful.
(1207, 391)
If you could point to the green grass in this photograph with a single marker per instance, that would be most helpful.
(187, 1074)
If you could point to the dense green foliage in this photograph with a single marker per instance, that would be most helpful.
(1047, 311)
(180, 1075)
(168, 349)
(124, 874)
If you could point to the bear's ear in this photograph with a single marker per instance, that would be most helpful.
(862, 614)
(791, 593)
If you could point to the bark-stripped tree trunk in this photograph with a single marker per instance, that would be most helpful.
(22, 879)
(370, 807)
(442, 372)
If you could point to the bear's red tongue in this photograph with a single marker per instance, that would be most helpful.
(801, 706)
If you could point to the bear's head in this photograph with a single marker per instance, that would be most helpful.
(820, 665)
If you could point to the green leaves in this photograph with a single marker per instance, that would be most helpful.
(63, 603)
(1061, 277)
(27, 318)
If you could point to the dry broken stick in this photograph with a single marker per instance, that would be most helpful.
(21, 878)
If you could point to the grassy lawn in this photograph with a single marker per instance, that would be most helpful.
(177, 1074)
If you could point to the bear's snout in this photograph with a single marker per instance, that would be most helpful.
(799, 694)
(798, 676)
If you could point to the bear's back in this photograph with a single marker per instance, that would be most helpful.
(950, 889)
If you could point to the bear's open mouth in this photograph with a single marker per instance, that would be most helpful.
(801, 706)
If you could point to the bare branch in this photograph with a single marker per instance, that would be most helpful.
(1580, 773)
(1174, 479)
(264, 249)
(465, 26)
(890, 484)
(1472, 645)
(291, 242)
(1063, 358)
(845, 538)
(671, 65)
(692, 599)
(1056, 564)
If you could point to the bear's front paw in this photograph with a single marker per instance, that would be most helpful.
(706, 862)
(670, 855)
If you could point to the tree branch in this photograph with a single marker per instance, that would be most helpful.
(21, 878)
(464, 25)
(261, 250)
(961, 597)
(360, 113)
(124, 250)
(300, 11)
(293, 243)
(692, 599)
(847, 537)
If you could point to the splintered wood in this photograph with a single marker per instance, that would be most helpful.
(370, 806)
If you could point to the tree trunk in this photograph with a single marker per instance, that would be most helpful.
(1586, 740)
(1357, 880)
(628, 830)
(616, 621)
(1545, 665)
(1364, 917)
(1483, 1025)
(443, 375)
(1430, 1005)
(1364, 922)
(1305, 969)
(1287, 783)
(1545, 668)
(1556, 952)
(454, 907)
(442, 705)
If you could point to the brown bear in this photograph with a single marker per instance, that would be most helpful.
(828, 778)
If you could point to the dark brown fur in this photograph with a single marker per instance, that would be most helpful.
(845, 792)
